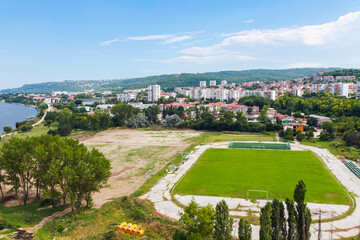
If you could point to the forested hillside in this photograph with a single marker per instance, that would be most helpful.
(168, 81)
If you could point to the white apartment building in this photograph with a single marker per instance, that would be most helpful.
(203, 84)
(223, 82)
(212, 83)
(341, 89)
(153, 93)
(358, 90)
(125, 97)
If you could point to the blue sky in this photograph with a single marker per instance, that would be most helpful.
(44, 41)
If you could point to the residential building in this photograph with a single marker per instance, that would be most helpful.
(212, 83)
(203, 84)
(125, 97)
(223, 82)
(358, 90)
(153, 93)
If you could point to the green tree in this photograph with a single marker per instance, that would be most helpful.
(223, 222)
(309, 134)
(198, 221)
(266, 230)
(289, 134)
(17, 161)
(278, 220)
(312, 122)
(122, 112)
(300, 137)
(303, 215)
(292, 229)
(245, 230)
(263, 114)
(7, 129)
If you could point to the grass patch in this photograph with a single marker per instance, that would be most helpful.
(212, 137)
(7, 231)
(231, 172)
(98, 223)
(25, 216)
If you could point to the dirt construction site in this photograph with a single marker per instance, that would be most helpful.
(133, 153)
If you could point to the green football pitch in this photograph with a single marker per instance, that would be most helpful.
(232, 172)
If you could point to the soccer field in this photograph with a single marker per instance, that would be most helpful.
(232, 172)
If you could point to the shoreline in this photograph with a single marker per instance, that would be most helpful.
(25, 117)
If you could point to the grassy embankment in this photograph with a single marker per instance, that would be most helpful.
(336, 147)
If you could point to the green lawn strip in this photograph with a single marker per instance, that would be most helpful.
(231, 172)
(25, 216)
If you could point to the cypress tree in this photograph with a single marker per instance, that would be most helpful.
(292, 231)
(278, 220)
(245, 231)
(303, 215)
(266, 230)
(223, 222)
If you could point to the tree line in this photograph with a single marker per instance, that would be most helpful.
(120, 115)
(59, 169)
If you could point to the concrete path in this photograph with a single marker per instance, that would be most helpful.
(344, 228)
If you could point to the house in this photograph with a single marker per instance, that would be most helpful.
(294, 126)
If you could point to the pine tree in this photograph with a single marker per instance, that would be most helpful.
(265, 222)
(245, 231)
(223, 222)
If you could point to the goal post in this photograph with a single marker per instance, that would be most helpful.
(257, 194)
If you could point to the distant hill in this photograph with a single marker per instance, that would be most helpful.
(168, 81)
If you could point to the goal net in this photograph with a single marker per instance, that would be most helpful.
(257, 194)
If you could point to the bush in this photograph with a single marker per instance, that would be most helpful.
(60, 227)
(300, 137)
(326, 136)
(25, 128)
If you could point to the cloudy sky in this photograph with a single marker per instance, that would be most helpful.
(87, 39)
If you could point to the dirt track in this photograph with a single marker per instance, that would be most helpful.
(132, 154)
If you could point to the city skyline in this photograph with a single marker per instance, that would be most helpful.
(121, 39)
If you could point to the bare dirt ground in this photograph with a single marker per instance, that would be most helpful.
(133, 153)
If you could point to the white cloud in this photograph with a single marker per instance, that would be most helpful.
(109, 42)
(307, 35)
(169, 38)
(178, 39)
(151, 37)
(249, 21)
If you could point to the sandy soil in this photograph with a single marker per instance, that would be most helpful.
(132, 154)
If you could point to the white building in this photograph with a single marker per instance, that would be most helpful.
(153, 93)
(223, 82)
(203, 84)
(358, 90)
(212, 83)
(125, 97)
(341, 89)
